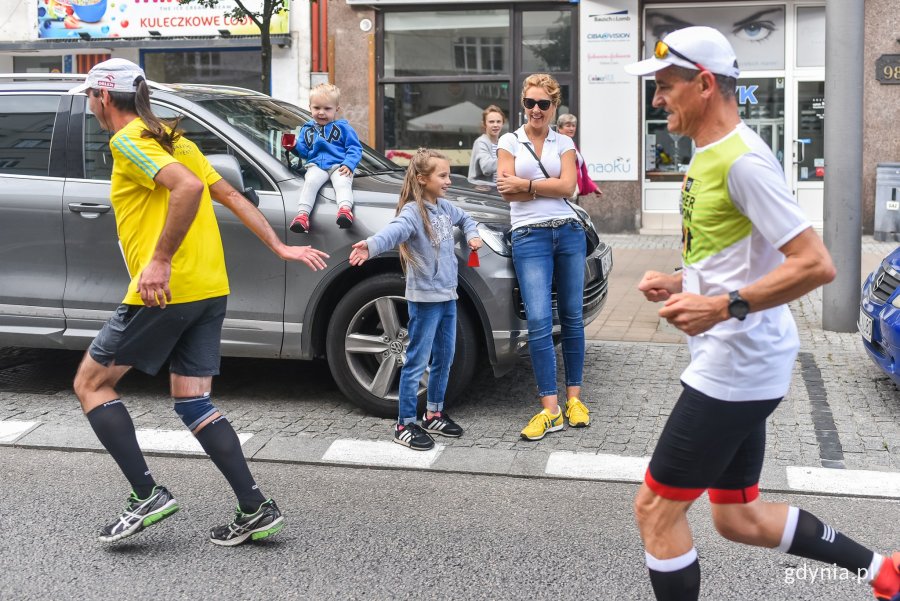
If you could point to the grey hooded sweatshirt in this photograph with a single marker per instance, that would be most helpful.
(434, 280)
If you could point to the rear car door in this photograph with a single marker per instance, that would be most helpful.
(32, 253)
(98, 277)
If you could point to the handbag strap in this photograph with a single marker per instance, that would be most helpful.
(547, 175)
(534, 154)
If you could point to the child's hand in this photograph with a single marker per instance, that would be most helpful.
(345, 171)
(475, 243)
(360, 253)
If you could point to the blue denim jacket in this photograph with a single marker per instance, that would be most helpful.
(434, 279)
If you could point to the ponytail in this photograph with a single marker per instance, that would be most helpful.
(164, 131)
(411, 191)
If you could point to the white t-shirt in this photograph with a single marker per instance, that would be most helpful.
(737, 211)
(542, 208)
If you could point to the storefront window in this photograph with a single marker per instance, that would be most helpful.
(760, 105)
(547, 41)
(228, 68)
(443, 116)
(811, 36)
(446, 43)
(38, 64)
(811, 131)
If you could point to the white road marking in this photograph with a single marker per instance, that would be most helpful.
(388, 454)
(174, 440)
(11, 430)
(596, 467)
(844, 482)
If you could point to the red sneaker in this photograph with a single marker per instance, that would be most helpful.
(886, 584)
(300, 224)
(344, 218)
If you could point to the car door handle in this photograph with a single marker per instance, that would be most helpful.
(86, 207)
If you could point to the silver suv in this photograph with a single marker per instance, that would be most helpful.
(62, 273)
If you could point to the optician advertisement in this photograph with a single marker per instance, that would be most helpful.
(138, 18)
(610, 98)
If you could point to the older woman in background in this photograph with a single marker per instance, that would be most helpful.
(566, 125)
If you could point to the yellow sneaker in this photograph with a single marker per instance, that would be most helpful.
(577, 413)
(542, 423)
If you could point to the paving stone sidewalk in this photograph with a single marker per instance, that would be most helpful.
(630, 386)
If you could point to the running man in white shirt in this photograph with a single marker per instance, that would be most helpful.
(747, 251)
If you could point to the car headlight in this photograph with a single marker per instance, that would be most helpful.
(496, 236)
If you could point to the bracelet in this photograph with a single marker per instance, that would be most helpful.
(530, 183)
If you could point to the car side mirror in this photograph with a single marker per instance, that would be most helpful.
(229, 168)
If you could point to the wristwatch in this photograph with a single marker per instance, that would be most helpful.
(737, 306)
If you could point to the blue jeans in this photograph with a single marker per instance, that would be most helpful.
(544, 256)
(432, 333)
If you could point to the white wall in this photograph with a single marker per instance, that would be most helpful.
(290, 66)
(18, 20)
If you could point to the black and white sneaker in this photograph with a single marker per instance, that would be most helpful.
(414, 437)
(140, 513)
(267, 521)
(441, 424)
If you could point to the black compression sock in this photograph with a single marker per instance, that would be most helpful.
(676, 579)
(223, 446)
(113, 426)
(815, 540)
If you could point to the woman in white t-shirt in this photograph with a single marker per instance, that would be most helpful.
(549, 246)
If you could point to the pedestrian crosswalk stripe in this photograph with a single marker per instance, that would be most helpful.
(844, 482)
(380, 453)
(174, 440)
(596, 467)
(12, 429)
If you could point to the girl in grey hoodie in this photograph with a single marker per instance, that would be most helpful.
(423, 228)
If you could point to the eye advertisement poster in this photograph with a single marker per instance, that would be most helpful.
(609, 97)
(137, 18)
(756, 32)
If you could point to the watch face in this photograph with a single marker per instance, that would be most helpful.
(738, 307)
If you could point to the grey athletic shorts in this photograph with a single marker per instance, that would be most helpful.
(187, 334)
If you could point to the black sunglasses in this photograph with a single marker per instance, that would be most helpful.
(530, 103)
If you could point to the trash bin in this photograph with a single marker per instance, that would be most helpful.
(887, 202)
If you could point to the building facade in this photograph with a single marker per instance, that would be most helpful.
(419, 73)
(430, 67)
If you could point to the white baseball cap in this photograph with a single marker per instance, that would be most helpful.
(115, 75)
(692, 47)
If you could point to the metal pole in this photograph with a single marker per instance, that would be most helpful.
(844, 24)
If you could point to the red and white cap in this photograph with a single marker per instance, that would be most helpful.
(697, 46)
(115, 75)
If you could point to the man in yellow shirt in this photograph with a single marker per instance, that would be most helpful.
(162, 189)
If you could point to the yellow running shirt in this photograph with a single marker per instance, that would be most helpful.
(198, 267)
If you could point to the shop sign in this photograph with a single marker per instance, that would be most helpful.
(609, 97)
(887, 68)
(138, 18)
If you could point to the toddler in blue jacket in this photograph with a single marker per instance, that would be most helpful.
(331, 150)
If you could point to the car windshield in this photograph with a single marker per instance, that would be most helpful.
(265, 119)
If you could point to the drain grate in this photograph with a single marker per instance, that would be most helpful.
(38, 371)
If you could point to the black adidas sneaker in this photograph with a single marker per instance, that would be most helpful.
(440, 423)
(414, 437)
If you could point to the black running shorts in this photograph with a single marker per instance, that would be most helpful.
(187, 334)
(711, 444)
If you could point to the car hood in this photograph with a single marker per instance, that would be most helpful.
(893, 259)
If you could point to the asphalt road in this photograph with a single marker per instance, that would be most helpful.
(375, 534)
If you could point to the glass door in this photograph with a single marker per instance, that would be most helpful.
(544, 44)
(808, 167)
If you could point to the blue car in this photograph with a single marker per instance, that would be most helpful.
(879, 315)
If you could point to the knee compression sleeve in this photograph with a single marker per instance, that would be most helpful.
(193, 410)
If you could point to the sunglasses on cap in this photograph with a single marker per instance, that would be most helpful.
(663, 50)
(530, 103)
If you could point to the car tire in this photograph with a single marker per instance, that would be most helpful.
(365, 356)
